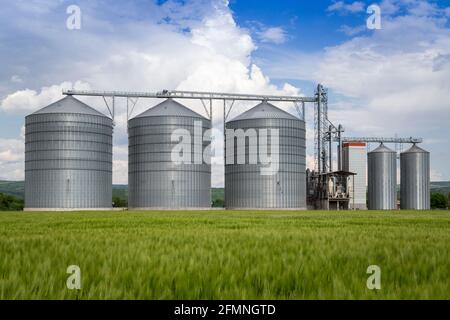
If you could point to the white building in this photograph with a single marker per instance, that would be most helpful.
(354, 159)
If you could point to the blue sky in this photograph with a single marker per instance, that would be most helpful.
(392, 81)
(307, 22)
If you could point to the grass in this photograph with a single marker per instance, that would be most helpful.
(225, 255)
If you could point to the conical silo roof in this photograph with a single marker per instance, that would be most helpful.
(265, 110)
(382, 149)
(69, 104)
(415, 149)
(170, 107)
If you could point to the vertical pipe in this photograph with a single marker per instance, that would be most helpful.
(212, 125)
(353, 192)
(340, 165)
(319, 153)
(324, 107)
(338, 151)
(224, 148)
(324, 161)
(330, 154)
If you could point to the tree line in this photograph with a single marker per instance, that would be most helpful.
(439, 200)
(11, 203)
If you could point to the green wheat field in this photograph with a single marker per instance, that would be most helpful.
(225, 254)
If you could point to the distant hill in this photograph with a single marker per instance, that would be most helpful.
(13, 188)
(121, 191)
(17, 189)
(441, 187)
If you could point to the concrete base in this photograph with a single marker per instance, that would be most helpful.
(267, 209)
(357, 206)
(66, 209)
(171, 209)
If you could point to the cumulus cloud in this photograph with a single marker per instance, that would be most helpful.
(275, 35)
(394, 80)
(16, 79)
(399, 71)
(11, 159)
(205, 50)
(26, 101)
(436, 175)
(385, 82)
(352, 31)
(343, 7)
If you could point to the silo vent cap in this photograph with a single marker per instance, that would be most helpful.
(382, 149)
(415, 149)
(265, 110)
(170, 107)
(69, 104)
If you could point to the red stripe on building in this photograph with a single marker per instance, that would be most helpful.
(354, 144)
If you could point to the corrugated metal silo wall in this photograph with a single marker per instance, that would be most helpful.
(68, 161)
(415, 180)
(245, 187)
(382, 180)
(154, 180)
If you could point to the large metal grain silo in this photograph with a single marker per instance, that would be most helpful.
(68, 158)
(258, 184)
(154, 179)
(382, 179)
(415, 179)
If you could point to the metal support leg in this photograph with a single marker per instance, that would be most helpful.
(210, 110)
(303, 110)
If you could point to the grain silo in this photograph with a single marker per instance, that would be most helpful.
(157, 181)
(68, 158)
(256, 182)
(415, 179)
(382, 179)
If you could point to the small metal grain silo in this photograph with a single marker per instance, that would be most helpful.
(283, 184)
(154, 179)
(415, 179)
(382, 179)
(68, 158)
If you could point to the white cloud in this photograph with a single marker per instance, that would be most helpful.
(16, 79)
(120, 164)
(26, 101)
(352, 31)
(436, 175)
(36, 7)
(275, 35)
(343, 7)
(394, 71)
(213, 54)
(386, 82)
(310, 161)
(11, 159)
(8, 155)
(218, 31)
(120, 171)
(389, 8)
(394, 80)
